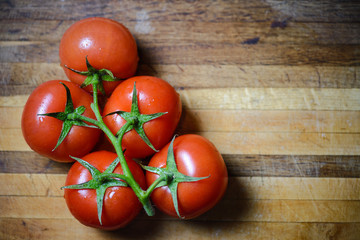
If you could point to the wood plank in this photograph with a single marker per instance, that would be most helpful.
(145, 29)
(10, 117)
(259, 188)
(285, 143)
(12, 140)
(30, 162)
(254, 11)
(158, 11)
(242, 121)
(54, 229)
(226, 210)
(293, 188)
(252, 76)
(285, 211)
(233, 54)
(271, 143)
(32, 184)
(264, 121)
(13, 101)
(238, 165)
(253, 99)
(22, 78)
(293, 165)
(272, 99)
(214, 53)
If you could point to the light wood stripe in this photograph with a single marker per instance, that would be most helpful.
(254, 188)
(226, 210)
(272, 99)
(13, 101)
(245, 143)
(254, 99)
(12, 140)
(285, 143)
(286, 211)
(44, 229)
(269, 121)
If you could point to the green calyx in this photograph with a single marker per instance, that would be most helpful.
(171, 177)
(95, 76)
(69, 117)
(136, 120)
(100, 182)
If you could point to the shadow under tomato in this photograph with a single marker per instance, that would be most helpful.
(189, 122)
(233, 207)
(147, 57)
(140, 228)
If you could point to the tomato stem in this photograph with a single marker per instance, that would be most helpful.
(154, 185)
(116, 142)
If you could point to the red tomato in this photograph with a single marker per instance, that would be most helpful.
(42, 132)
(195, 156)
(154, 95)
(107, 43)
(120, 204)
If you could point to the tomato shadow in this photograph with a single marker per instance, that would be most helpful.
(146, 60)
(189, 122)
(142, 227)
(232, 209)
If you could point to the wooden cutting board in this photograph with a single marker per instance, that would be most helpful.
(275, 85)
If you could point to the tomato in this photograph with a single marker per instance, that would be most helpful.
(195, 156)
(154, 95)
(120, 204)
(106, 43)
(42, 132)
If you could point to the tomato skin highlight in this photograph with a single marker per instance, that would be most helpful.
(154, 95)
(42, 132)
(106, 43)
(197, 157)
(120, 204)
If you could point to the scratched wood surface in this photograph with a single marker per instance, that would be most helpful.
(275, 85)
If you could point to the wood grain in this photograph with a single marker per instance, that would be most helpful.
(271, 98)
(258, 188)
(226, 210)
(54, 229)
(241, 11)
(22, 78)
(207, 120)
(270, 32)
(253, 99)
(245, 142)
(217, 53)
(238, 165)
(273, 84)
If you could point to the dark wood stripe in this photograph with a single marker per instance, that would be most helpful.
(30, 162)
(270, 32)
(238, 165)
(22, 78)
(293, 165)
(248, 11)
(217, 53)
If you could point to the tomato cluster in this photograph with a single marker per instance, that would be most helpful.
(62, 120)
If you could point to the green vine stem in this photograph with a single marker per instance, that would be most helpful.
(143, 196)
